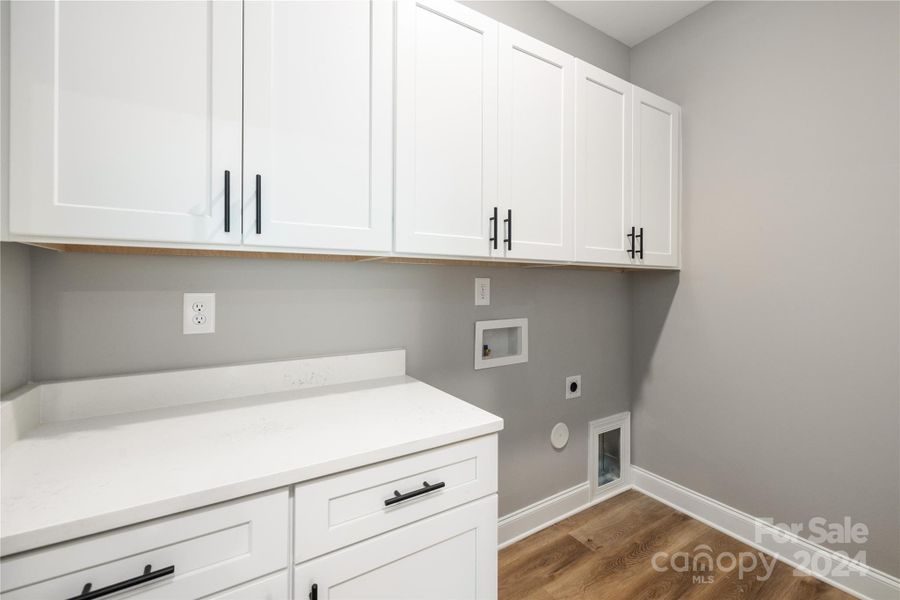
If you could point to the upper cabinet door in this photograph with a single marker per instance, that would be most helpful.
(317, 124)
(657, 182)
(125, 118)
(603, 199)
(537, 147)
(446, 104)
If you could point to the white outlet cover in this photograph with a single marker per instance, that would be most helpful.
(482, 291)
(199, 313)
(576, 379)
(559, 436)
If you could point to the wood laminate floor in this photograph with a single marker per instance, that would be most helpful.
(606, 552)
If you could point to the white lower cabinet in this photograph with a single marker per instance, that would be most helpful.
(421, 527)
(450, 556)
(417, 527)
(189, 555)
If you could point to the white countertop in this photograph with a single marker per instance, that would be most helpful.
(68, 479)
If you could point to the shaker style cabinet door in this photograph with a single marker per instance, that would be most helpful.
(446, 107)
(603, 199)
(125, 120)
(318, 124)
(450, 556)
(657, 184)
(537, 148)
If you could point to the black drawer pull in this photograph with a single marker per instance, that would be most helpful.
(640, 236)
(314, 592)
(426, 487)
(149, 575)
(630, 236)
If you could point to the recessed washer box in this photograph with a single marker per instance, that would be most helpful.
(501, 342)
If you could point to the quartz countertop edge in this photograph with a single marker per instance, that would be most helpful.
(235, 448)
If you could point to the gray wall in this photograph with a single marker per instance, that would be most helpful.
(103, 315)
(558, 28)
(766, 374)
(15, 316)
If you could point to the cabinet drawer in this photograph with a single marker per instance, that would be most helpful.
(210, 549)
(450, 556)
(339, 510)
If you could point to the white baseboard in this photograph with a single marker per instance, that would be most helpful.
(544, 513)
(858, 580)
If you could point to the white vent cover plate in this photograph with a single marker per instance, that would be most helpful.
(559, 437)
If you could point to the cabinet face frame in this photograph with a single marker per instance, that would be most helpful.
(280, 189)
(559, 208)
(594, 195)
(410, 235)
(657, 181)
(42, 93)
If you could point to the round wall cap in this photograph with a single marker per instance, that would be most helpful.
(559, 437)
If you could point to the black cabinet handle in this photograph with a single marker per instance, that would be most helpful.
(630, 237)
(149, 575)
(314, 592)
(227, 201)
(508, 221)
(640, 236)
(258, 204)
(493, 221)
(426, 487)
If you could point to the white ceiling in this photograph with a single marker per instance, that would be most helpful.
(630, 21)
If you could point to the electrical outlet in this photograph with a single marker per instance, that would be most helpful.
(573, 387)
(199, 313)
(482, 291)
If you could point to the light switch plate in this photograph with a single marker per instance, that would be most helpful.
(482, 291)
(199, 313)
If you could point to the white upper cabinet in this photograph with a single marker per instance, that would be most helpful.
(657, 181)
(603, 204)
(125, 118)
(537, 148)
(446, 146)
(415, 127)
(317, 124)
